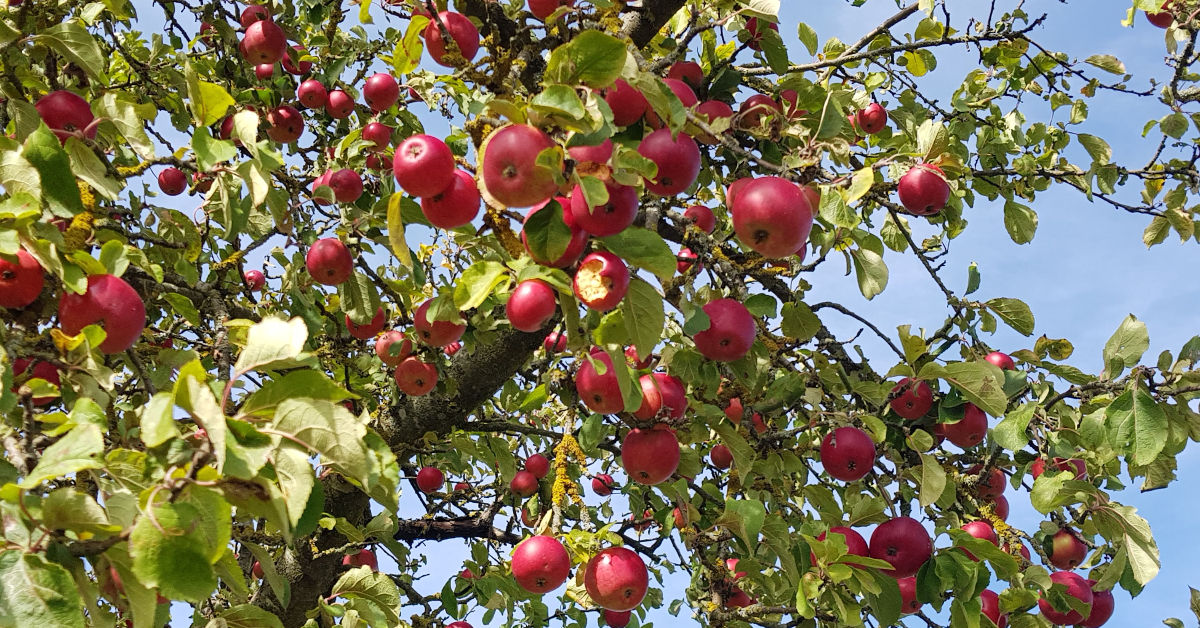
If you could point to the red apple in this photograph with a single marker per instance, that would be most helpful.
(415, 377)
(286, 125)
(542, 9)
(346, 184)
(39, 370)
(602, 485)
(753, 28)
(252, 14)
(423, 165)
(1021, 549)
(460, 29)
(364, 558)
(381, 91)
(66, 114)
(682, 91)
(264, 71)
(616, 619)
(1001, 360)
(509, 166)
(172, 181)
(650, 456)
(601, 281)
(627, 103)
(721, 457)
(257, 570)
(430, 479)
(631, 357)
(908, 595)
(872, 119)
(21, 281)
(662, 397)
(990, 606)
(730, 334)
(392, 347)
(689, 72)
(1077, 587)
(1067, 551)
(368, 330)
(702, 217)
(848, 454)
(754, 108)
(607, 219)
(531, 306)
(378, 134)
(911, 399)
(575, 246)
(538, 465)
(1163, 18)
(555, 342)
(678, 161)
(435, 333)
(1060, 464)
(923, 190)
(540, 564)
(616, 579)
(264, 42)
(904, 543)
(687, 259)
(255, 280)
(297, 68)
(711, 110)
(108, 301)
(598, 154)
(339, 104)
(1000, 507)
(312, 94)
(856, 545)
(458, 624)
(772, 216)
(968, 431)
(600, 393)
(990, 487)
(329, 261)
(980, 530)
(524, 484)
(1102, 608)
(452, 348)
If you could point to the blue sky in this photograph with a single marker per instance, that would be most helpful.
(1084, 272)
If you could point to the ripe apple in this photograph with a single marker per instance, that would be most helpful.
(677, 158)
(329, 261)
(600, 393)
(702, 217)
(598, 154)
(540, 564)
(923, 190)
(754, 108)
(466, 573)
(172, 181)
(364, 558)
(381, 91)
(908, 595)
(610, 218)
(286, 125)
(39, 370)
(108, 301)
(731, 331)
(1060, 464)
(1001, 360)
(460, 29)
(1163, 18)
(555, 342)
(682, 91)
(601, 281)
(430, 479)
(264, 42)
(458, 624)
(903, 542)
(378, 134)
(616, 579)
(392, 347)
(423, 165)
(452, 348)
(542, 9)
(524, 484)
(687, 259)
(255, 280)
(689, 72)
(712, 110)
(772, 216)
(738, 599)
(21, 281)
(911, 399)
(968, 431)
(257, 570)
(538, 465)
(990, 606)
(616, 619)
(662, 396)
(367, 330)
(339, 104)
(509, 166)
(346, 184)
(312, 94)
(435, 333)
(66, 114)
(754, 28)
(264, 71)
(1021, 549)
(872, 119)
(1067, 551)
(1077, 587)
(415, 377)
(856, 545)
(532, 305)
(295, 67)
(1102, 608)
(980, 530)
(791, 99)
(575, 246)
(650, 456)
(602, 485)
(252, 14)
(721, 457)
(631, 357)
(990, 487)
(627, 103)
(1000, 507)
(848, 454)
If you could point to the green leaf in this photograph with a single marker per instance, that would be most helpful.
(279, 585)
(122, 110)
(1137, 426)
(359, 298)
(249, 615)
(1174, 125)
(1009, 433)
(774, 50)
(645, 316)
(395, 227)
(478, 282)
(1108, 63)
(1015, 313)
(34, 592)
(871, 271)
(361, 583)
(168, 554)
(981, 382)
(210, 151)
(1020, 221)
(208, 101)
(744, 517)
(271, 341)
(407, 54)
(1126, 346)
(592, 58)
(808, 37)
(18, 176)
(46, 154)
(645, 249)
(327, 429)
(299, 383)
(546, 235)
(82, 448)
(296, 479)
(743, 453)
(1099, 149)
(933, 139)
(68, 509)
(885, 606)
(183, 306)
(799, 321)
(560, 100)
(933, 480)
(71, 40)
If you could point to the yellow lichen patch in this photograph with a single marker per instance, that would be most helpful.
(590, 285)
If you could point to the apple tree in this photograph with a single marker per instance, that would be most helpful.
(293, 291)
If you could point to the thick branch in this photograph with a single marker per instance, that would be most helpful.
(641, 25)
(457, 528)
